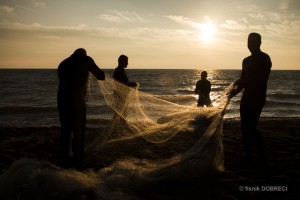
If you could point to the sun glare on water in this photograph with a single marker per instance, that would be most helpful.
(207, 32)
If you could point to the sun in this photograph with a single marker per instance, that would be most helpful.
(207, 32)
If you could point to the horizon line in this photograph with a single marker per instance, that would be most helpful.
(50, 68)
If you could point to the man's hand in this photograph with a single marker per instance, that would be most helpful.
(232, 93)
(133, 84)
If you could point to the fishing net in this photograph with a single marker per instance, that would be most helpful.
(138, 139)
(143, 134)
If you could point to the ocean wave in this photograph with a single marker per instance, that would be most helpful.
(26, 109)
(280, 113)
(287, 103)
(284, 96)
(37, 98)
(184, 91)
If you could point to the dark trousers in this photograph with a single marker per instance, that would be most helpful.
(250, 111)
(72, 115)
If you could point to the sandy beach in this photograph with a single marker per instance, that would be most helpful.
(277, 178)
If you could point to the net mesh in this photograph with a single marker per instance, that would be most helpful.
(138, 131)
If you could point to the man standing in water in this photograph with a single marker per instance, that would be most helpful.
(203, 87)
(120, 73)
(73, 74)
(121, 92)
(254, 77)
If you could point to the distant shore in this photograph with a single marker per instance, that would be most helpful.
(281, 137)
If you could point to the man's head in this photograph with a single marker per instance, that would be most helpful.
(123, 61)
(254, 42)
(80, 52)
(204, 75)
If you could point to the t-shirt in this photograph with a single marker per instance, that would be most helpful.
(255, 75)
(73, 74)
(121, 76)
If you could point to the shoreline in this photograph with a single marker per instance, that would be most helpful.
(281, 137)
(15, 125)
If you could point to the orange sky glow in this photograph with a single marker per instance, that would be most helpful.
(169, 34)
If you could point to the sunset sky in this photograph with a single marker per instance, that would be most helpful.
(172, 34)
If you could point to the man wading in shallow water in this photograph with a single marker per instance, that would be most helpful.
(73, 75)
(203, 88)
(254, 78)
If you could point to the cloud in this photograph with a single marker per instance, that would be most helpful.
(121, 16)
(36, 26)
(19, 31)
(271, 16)
(275, 17)
(278, 28)
(286, 29)
(81, 30)
(258, 16)
(244, 20)
(284, 5)
(141, 35)
(184, 21)
(205, 25)
(111, 18)
(256, 27)
(6, 10)
(37, 3)
(233, 25)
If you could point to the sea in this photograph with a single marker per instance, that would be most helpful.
(28, 96)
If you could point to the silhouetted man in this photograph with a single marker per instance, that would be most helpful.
(121, 92)
(73, 74)
(120, 73)
(254, 78)
(203, 88)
